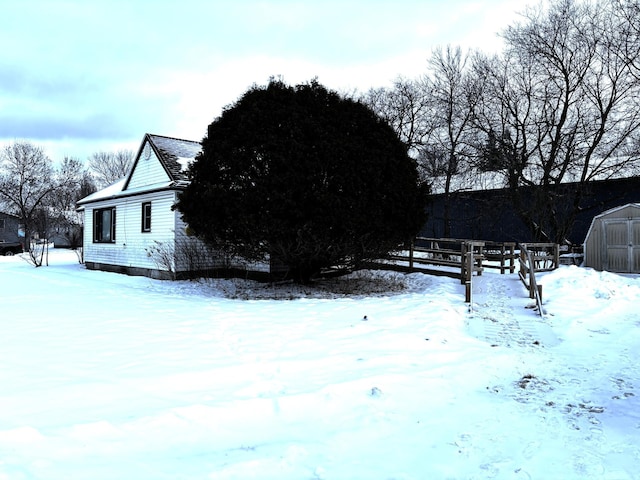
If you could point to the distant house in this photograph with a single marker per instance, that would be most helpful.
(9, 228)
(130, 226)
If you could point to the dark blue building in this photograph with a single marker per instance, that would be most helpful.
(490, 214)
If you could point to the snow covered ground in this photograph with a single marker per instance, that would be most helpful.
(104, 376)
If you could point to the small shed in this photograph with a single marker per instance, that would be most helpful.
(613, 240)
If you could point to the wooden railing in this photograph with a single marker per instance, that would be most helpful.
(535, 258)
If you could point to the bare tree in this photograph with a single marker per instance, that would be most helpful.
(453, 93)
(109, 167)
(75, 182)
(405, 108)
(626, 21)
(563, 107)
(71, 175)
(26, 182)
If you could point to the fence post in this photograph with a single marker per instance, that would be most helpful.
(532, 280)
(411, 256)
(468, 260)
(531, 273)
(512, 260)
(463, 262)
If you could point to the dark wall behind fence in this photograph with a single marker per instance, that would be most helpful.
(490, 215)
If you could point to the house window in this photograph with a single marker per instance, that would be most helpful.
(104, 225)
(146, 217)
(1, 223)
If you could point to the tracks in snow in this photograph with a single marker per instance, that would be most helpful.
(500, 316)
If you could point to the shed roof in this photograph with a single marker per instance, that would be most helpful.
(613, 211)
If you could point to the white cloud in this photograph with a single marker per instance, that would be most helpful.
(170, 67)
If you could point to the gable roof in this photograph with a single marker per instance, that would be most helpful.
(174, 154)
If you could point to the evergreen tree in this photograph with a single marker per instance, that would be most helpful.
(304, 176)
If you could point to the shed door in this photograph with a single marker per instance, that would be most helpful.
(622, 245)
(635, 253)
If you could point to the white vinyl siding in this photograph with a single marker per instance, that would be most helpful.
(148, 171)
(191, 253)
(130, 247)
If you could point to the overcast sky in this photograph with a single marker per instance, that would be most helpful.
(81, 76)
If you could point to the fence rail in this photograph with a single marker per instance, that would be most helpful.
(465, 256)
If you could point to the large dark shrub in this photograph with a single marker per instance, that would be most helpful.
(304, 176)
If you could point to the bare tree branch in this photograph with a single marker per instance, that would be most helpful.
(563, 101)
(109, 167)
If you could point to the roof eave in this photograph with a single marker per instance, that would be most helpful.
(124, 194)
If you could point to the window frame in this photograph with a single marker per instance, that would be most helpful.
(98, 228)
(145, 217)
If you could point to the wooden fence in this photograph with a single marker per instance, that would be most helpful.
(460, 258)
(451, 253)
(449, 257)
(464, 256)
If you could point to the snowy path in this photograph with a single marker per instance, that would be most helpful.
(559, 382)
(497, 314)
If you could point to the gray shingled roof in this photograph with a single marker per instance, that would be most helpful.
(175, 154)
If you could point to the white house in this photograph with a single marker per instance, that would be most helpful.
(130, 227)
